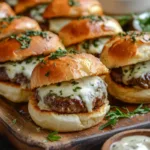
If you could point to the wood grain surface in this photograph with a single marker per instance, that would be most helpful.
(24, 134)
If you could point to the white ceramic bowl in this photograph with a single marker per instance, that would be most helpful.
(118, 7)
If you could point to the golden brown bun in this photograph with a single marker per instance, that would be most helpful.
(5, 10)
(14, 92)
(127, 94)
(23, 5)
(66, 122)
(66, 68)
(10, 49)
(126, 50)
(18, 25)
(61, 8)
(80, 30)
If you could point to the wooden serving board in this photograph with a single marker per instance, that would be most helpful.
(24, 134)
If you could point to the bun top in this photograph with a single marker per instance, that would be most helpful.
(72, 8)
(5, 10)
(23, 5)
(126, 49)
(30, 43)
(15, 25)
(65, 68)
(88, 28)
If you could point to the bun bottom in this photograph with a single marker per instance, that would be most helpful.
(127, 94)
(14, 92)
(65, 122)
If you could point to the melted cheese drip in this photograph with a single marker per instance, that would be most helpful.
(135, 71)
(37, 13)
(91, 46)
(25, 67)
(86, 90)
(56, 25)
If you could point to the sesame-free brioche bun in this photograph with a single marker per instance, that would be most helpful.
(66, 122)
(17, 25)
(5, 10)
(126, 49)
(66, 68)
(76, 8)
(11, 48)
(23, 5)
(133, 95)
(84, 29)
(14, 92)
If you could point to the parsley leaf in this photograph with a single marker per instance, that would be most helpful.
(116, 114)
(53, 136)
(73, 3)
(58, 53)
(14, 121)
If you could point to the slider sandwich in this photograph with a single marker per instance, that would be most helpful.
(128, 57)
(89, 34)
(32, 8)
(19, 54)
(15, 25)
(5, 10)
(61, 12)
(68, 92)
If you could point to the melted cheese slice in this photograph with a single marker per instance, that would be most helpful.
(85, 89)
(135, 71)
(37, 12)
(91, 46)
(56, 25)
(25, 67)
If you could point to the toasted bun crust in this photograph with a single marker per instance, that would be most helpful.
(126, 50)
(18, 25)
(23, 5)
(11, 51)
(127, 94)
(80, 30)
(61, 8)
(65, 122)
(66, 68)
(5, 10)
(14, 92)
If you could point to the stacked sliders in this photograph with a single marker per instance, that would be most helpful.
(22, 46)
(89, 34)
(32, 8)
(69, 94)
(61, 12)
(128, 57)
(5, 10)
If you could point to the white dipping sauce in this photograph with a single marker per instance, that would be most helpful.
(137, 142)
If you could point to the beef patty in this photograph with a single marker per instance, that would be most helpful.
(18, 79)
(67, 105)
(143, 81)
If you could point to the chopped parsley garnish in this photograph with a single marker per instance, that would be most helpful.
(73, 3)
(53, 136)
(86, 44)
(47, 73)
(9, 19)
(116, 114)
(60, 92)
(14, 121)
(25, 38)
(58, 53)
(77, 88)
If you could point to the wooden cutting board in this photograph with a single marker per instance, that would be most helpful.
(17, 125)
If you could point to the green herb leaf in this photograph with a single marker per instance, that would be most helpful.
(116, 114)
(14, 121)
(53, 136)
(77, 88)
(73, 3)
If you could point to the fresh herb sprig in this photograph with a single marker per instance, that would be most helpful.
(73, 3)
(116, 114)
(53, 136)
